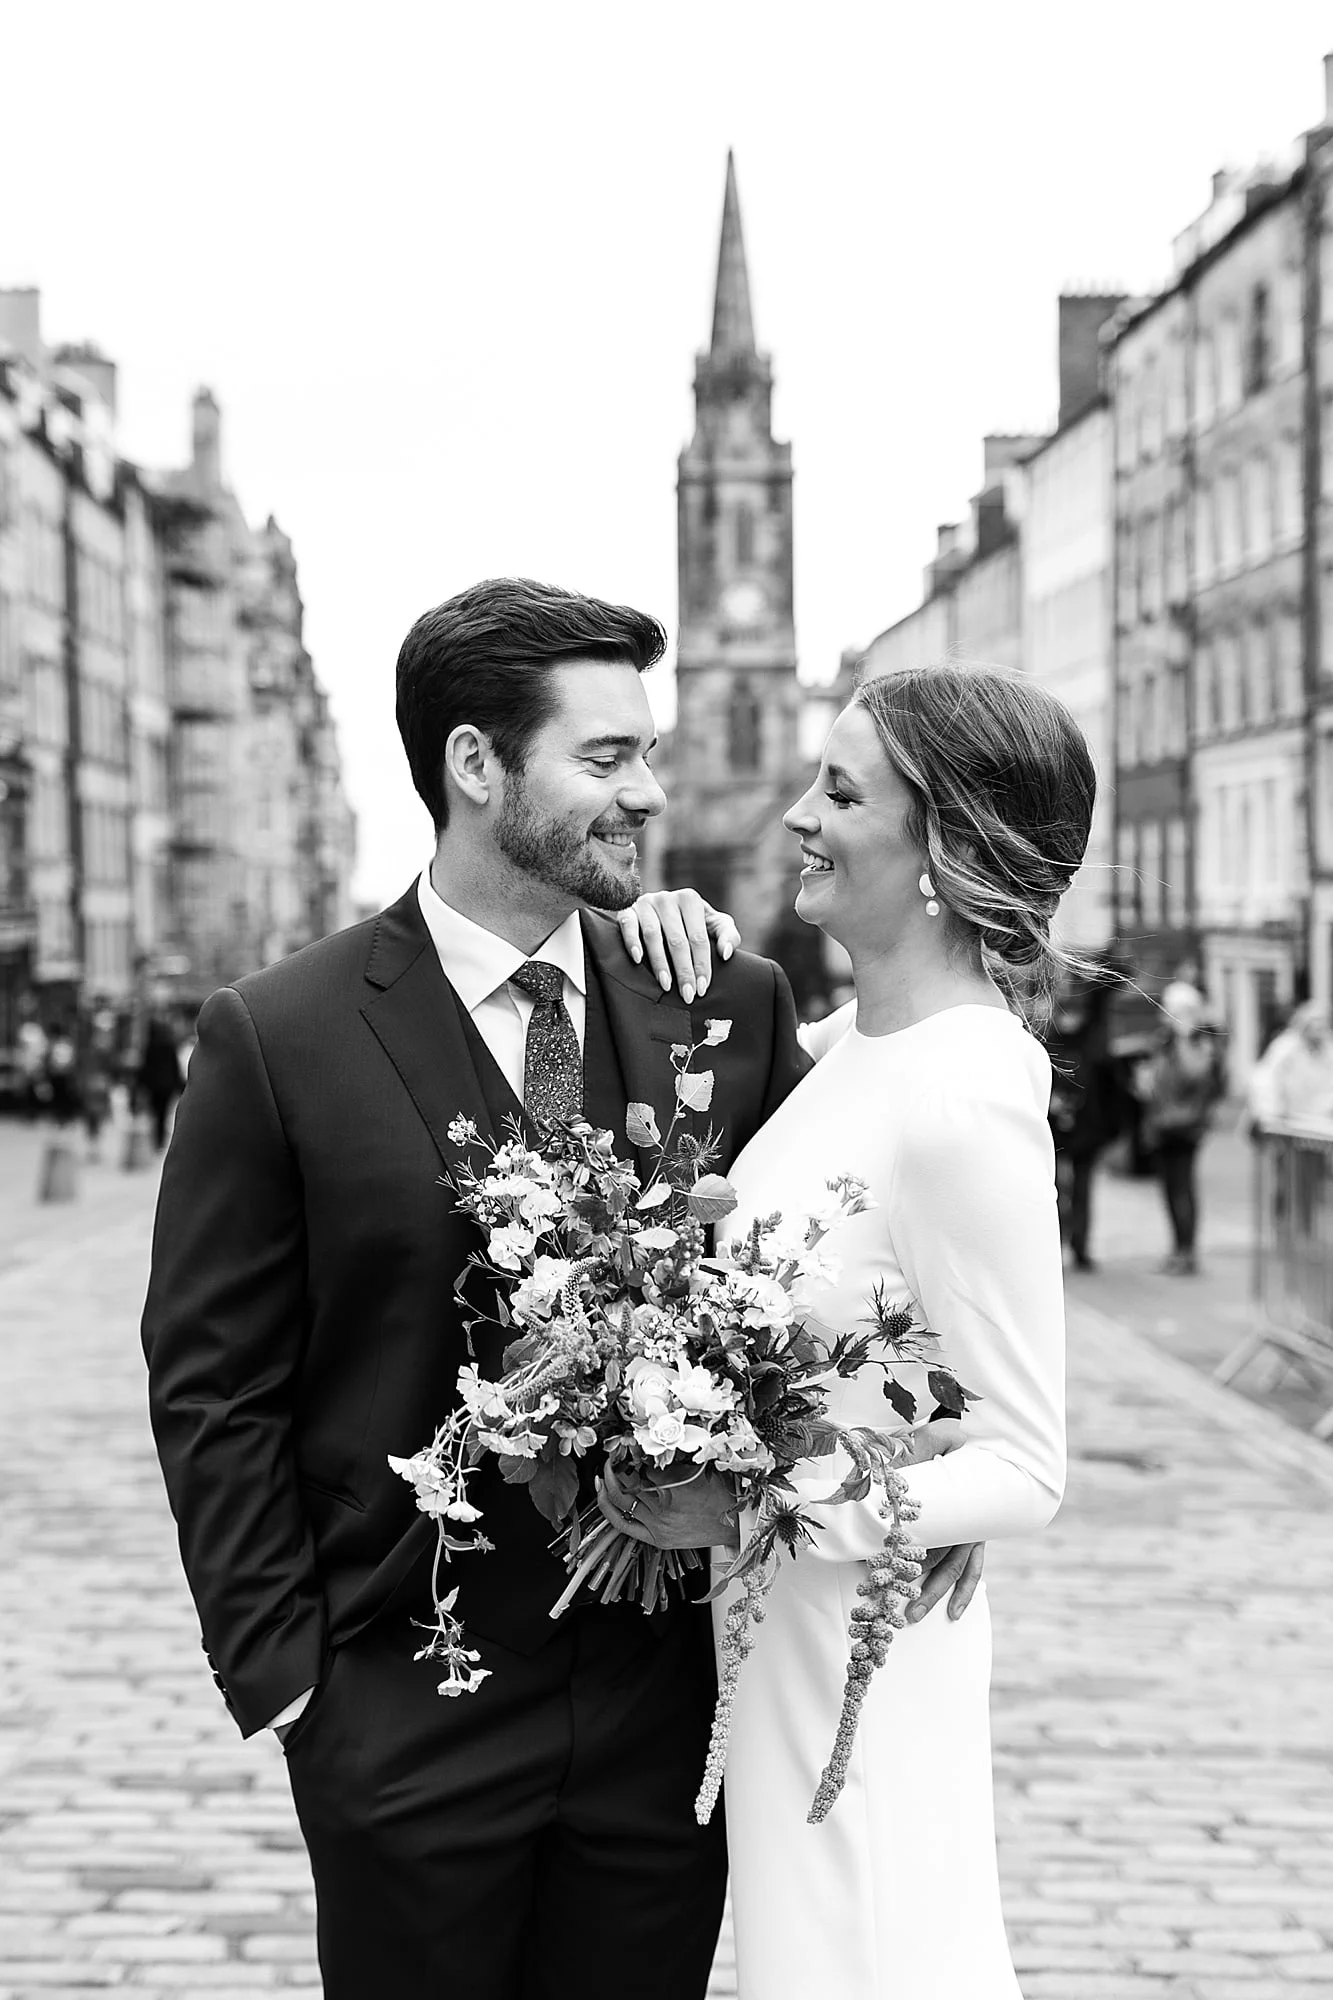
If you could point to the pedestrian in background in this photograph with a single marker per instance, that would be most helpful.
(94, 1083)
(1085, 1107)
(1293, 1079)
(160, 1076)
(60, 1070)
(1179, 1084)
(32, 1047)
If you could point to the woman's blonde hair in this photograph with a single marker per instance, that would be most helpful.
(1002, 786)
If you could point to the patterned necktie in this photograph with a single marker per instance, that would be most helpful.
(552, 1065)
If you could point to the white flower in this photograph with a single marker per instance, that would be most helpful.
(649, 1386)
(462, 1510)
(715, 1033)
(762, 1300)
(667, 1433)
(460, 1131)
(699, 1393)
(740, 1449)
(480, 1398)
(510, 1244)
(535, 1297)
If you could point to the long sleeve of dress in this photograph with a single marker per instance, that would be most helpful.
(972, 1218)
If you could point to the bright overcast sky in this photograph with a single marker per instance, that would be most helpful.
(446, 268)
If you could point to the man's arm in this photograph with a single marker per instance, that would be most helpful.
(223, 1329)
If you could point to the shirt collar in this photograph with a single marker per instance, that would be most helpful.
(477, 962)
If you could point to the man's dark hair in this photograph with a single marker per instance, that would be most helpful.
(485, 658)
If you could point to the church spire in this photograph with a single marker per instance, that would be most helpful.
(733, 323)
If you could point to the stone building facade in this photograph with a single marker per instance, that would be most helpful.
(137, 769)
(1222, 450)
(1067, 558)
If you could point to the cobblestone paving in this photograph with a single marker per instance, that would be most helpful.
(1161, 1706)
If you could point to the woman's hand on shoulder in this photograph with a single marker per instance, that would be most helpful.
(677, 932)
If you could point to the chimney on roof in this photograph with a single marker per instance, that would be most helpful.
(1328, 89)
(21, 322)
(88, 361)
(1082, 317)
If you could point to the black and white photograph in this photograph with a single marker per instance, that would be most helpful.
(666, 1001)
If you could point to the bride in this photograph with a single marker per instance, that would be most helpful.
(950, 811)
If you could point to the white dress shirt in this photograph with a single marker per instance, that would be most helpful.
(479, 966)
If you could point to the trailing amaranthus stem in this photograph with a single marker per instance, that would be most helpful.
(737, 1642)
(893, 1581)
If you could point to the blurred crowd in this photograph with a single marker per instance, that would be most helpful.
(1157, 1098)
(69, 1071)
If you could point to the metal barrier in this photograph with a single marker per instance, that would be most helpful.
(1292, 1268)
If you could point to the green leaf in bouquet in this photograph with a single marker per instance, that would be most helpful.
(694, 1091)
(903, 1401)
(948, 1391)
(823, 1439)
(854, 1487)
(521, 1351)
(654, 1196)
(641, 1125)
(517, 1471)
(710, 1198)
(655, 1239)
(554, 1487)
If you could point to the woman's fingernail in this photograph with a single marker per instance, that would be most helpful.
(664, 981)
(636, 954)
(703, 988)
(687, 994)
(917, 1612)
(726, 951)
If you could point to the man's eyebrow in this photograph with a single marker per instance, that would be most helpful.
(616, 743)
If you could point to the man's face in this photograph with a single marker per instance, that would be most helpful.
(569, 817)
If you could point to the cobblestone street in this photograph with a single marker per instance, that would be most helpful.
(1161, 1689)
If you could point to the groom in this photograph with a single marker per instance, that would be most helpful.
(535, 1839)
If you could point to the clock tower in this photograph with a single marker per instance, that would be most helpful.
(734, 760)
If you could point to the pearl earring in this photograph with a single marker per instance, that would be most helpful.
(927, 888)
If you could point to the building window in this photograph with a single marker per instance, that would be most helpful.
(744, 534)
(1177, 874)
(1177, 575)
(1127, 877)
(1205, 534)
(1230, 381)
(1150, 873)
(1205, 692)
(1258, 342)
(1256, 507)
(744, 728)
(1205, 382)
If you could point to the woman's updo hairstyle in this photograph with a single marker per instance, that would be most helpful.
(1002, 786)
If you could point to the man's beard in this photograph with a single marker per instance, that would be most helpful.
(553, 853)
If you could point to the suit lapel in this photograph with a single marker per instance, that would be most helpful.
(416, 1018)
(643, 1023)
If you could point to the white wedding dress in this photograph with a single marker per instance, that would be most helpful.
(896, 1895)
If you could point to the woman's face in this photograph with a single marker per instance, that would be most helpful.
(860, 875)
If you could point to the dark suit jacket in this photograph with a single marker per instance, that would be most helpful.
(300, 1322)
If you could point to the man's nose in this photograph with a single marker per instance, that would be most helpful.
(642, 793)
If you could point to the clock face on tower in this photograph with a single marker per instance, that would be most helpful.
(744, 603)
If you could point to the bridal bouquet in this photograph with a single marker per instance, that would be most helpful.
(630, 1346)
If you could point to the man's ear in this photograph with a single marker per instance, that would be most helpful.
(470, 763)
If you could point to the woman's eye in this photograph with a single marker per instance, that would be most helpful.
(838, 798)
